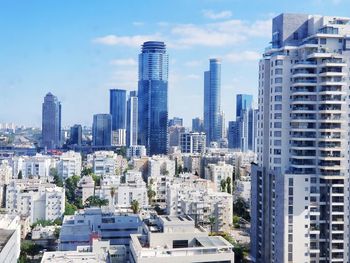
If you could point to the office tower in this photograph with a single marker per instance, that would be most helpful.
(102, 130)
(192, 142)
(222, 126)
(119, 137)
(75, 135)
(153, 97)
(300, 196)
(176, 121)
(51, 122)
(197, 125)
(232, 135)
(117, 108)
(131, 119)
(243, 102)
(212, 99)
(174, 135)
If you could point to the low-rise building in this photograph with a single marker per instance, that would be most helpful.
(33, 166)
(35, 198)
(86, 188)
(193, 142)
(5, 176)
(69, 164)
(218, 172)
(10, 238)
(136, 151)
(107, 163)
(175, 239)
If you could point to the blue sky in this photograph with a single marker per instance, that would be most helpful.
(80, 49)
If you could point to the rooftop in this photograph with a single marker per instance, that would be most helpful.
(5, 235)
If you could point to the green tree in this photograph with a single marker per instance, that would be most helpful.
(135, 206)
(240, 208)
(57, 232)
(71, 185)
(95, 201)
(86, 171)
(56, 178)
(28, 248)
(212, 221)
(223, 185)
(20, 176)
(97, 179)
(151, 194)
(229, 187)
(69, 209)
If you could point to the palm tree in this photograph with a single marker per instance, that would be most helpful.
(151, 194)
(135, 206)
(112, 194)
(212, 220)
(228, 182)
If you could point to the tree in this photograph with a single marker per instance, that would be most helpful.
(71, 185)
(223, 185)
(135, 206)
(97, 179)
(70, 209)
(95, 201)
(30, 248)
(151, 194)
(57, 232)
(240, 208)
(212, 221)
(112, 194)
(229, 187)
(20, 176)
(86, 171)
(56, 178)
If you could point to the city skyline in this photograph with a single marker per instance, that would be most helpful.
(73, 54)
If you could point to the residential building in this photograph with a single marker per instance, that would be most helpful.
(117, 108)
(132, 119)
(174, 135)
(119, 137)
(69, 164)
(102, 130)
(51, 122)
(32, 166)
(10, 238)
(212, 101)
(176, 239)
(35, 198)
(86, 188)
(81, 228)
(137, 151)
(5, 176)
(192, 142)
(107, 163)
(218, 172)
(300, 197)
(153, 97)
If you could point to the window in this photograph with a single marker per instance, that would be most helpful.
(295, 35)
(277, 133)
(278, 106)
(180, 243)
(278, 89)
(277, 125)
(278, 80)
(278, 98)
(323, 41)
(278, 71)
(279, 62)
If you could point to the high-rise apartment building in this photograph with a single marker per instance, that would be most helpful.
(176, 121)
(117, 108)
(102, 130)
(153, 97)
(132, 119)
(300, 196)
(51, 122)
(193, 142)
(212, 100)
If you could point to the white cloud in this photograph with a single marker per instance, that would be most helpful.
(192, 76)
(133, 41)
(193, 63)
(124, 62)
(247, 55)
(137, 23)
(124, 79)
(217, 15)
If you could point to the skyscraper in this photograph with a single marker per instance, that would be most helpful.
(117, 108)
(51, 122)
(176, 121)
(243, 102)
(75, 135)
(102, 130)
(212, 100)
(132, 120)
(300, 196)
(197, 125)
(153, 97)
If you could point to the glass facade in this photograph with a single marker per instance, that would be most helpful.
(117, 108)
(102, 130)
(51, 122)
(243, 102)
(75, 135)
(212, 101)
(153, 97)
(132, 119)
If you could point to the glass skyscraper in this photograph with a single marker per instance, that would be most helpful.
(153, 97)
(51, 122)
(132, 119)
(243, 102)
(117, 108)
(212, 101)
(102, 130)
(76, 135)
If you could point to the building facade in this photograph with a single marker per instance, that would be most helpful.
(193, 142)
(300, 197)
(153, 97)
(102, 130)
(132, 119)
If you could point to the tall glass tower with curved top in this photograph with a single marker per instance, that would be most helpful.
(153, 97)
(212, 100)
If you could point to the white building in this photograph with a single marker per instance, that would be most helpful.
(33, 166)
(119, 137)
(137, 151)
(5, 176)
(300, 196)
(69, 164)
(81, 228)
(107, 163)
(86, 188)
(198, 198)
(10, 238)
(132, 119)
(218, 172)
(160, 165)
(193, 142)
(35, 198)
(175, 239)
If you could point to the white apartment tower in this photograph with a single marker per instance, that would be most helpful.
(300, 196)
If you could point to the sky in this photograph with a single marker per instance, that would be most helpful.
(80, 49)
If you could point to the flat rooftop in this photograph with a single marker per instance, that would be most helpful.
(5, 235)
(70, 257)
